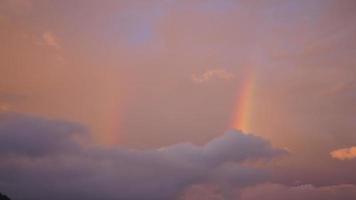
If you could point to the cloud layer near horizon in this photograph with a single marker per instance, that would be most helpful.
(53, 159)
(53, 155)
(301, 192)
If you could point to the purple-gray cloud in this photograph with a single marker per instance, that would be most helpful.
(23, 136)
(43, 159)
(53, 159)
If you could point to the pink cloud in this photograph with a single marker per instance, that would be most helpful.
(210, 74)
(344, 154)
(51, 40)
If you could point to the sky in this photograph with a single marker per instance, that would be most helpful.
(178, 99)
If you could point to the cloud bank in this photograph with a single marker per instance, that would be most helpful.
(51, 159)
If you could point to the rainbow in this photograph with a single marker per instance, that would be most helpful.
(242, 114)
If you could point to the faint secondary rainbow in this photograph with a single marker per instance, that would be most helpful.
(242, 114)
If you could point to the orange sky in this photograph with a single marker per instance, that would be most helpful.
(151, 74)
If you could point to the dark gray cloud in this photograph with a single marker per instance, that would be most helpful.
(44, 159)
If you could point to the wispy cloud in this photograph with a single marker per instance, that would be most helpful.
(4, 107)
(18, 7)
(50, 39)
(344, 154)
(212, 74)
